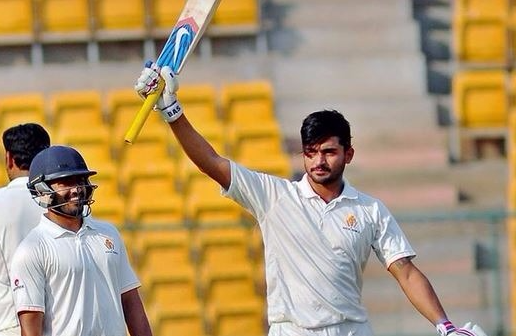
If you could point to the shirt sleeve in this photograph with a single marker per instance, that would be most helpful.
(390, 243)
(28, 279)
(256, 192)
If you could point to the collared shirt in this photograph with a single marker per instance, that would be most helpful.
(315, 252)
(19, 214)
(75, 278)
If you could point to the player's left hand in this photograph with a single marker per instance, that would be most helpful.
(148, 80)
(469, 329)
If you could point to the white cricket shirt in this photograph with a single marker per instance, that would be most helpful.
(19, 214)
(315, 253)
(76, 279)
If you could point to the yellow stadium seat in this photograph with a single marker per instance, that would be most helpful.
(205, 206)
(233, 307)
(241, 134)
(76, 109)
(481, 8)
(480, 40)
(16, 21)
(22, 108)
(233, 12)
(247, 102)
(92, 142)
(152, 201)
(186, 321)
(108, 204)
(153, 247)
(62, 20)
(217, 248)
(511, 191)
(165, 15)
(199, 101)
(120, 15)
(480, 98)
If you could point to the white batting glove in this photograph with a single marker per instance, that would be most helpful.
(448, 329)
(167, 104)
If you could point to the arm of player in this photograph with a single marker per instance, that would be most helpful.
(31, 323)
(421, 294)
(193, 143)
(134, 313)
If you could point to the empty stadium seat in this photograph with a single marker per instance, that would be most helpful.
(233, 306)
(247, 102)
(119, 19)
(64, 20)
(218, 249)
(16, 22)
(76, 109)
(205, 206)
(480, 98)
(480, 31)
(153, 202)
(108, 205)
(234, 12)
(22, 108)
(186, 321)
(165, 15)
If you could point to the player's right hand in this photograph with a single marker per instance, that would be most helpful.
(167, 104)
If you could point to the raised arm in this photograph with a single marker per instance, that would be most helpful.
(193, 143)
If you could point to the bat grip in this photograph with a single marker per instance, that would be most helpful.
(142, 115)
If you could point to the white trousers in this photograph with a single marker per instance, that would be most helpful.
(342, 329)
(16, 331)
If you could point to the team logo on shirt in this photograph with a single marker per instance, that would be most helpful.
(17, 285)
(110, 246)
(351, 223)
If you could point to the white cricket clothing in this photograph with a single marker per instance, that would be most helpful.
(19, 214)
(75, 278)
(315, 252)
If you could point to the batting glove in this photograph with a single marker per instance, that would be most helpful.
(147, 83)
(447, 328)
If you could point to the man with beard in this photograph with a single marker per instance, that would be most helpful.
(71, 275)
(318, 232)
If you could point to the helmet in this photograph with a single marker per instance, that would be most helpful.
(52, 163)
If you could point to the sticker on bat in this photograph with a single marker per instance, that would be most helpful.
(178, 44)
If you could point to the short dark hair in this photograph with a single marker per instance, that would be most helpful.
(24, 142)
(321, 125)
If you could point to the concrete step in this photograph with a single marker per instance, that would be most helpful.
(357, 77)
(398, 37)
(337, 13)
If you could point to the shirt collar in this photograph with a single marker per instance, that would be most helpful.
(348, 192)
(19, 181)
(57, 231)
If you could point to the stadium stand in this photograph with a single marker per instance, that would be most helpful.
(109, 204)
(164, 15)
(247, 101)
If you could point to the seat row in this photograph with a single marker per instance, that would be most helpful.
(201, 282)
(484, 32)
(51, 21)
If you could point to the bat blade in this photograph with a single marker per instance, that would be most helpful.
(185, 35)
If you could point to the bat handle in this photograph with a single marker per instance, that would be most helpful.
(142, 115)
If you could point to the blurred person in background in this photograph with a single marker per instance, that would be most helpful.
(318, 232)
(71, 275)
(18, 211)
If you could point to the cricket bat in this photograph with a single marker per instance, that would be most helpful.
(185, 35)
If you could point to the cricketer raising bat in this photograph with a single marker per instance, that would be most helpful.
(187, 32)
